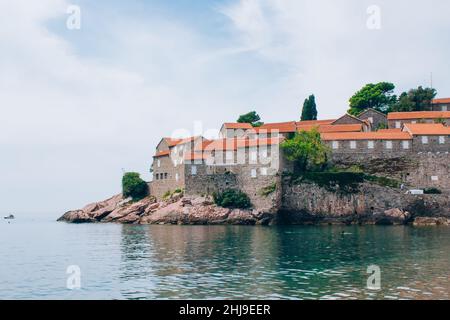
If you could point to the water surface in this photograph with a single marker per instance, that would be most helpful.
(221, 262)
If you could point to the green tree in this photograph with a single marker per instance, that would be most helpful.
(378, 96)
(306, 150)
(309, 111)
(252, 117)
(415, 100)
(133, 186)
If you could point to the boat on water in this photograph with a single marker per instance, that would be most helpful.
(10, 217)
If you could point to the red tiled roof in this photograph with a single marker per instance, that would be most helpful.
(426, 129)
(313, 122)
(418, 115)
(441, 100)
(282, 127)
(366, 136)
(161, 154)
(233, 144)
(389, 130)
(231, 125)
(341, 128)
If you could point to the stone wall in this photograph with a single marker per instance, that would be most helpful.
(377, 119)
(361, 148)
(397, 124)
(170, 177)
(415, 170)
(250, 176)
(304, 203)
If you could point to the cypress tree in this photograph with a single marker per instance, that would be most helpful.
(309, 111)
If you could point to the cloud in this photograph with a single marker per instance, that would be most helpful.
(78, 106)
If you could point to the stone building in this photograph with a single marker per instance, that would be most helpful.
(234, 130)
(442, 104)
(349, 119)
(167, 166)
(397, 119)
(249, 159)
(376, 118)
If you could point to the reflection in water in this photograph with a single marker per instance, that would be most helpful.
(231, 262)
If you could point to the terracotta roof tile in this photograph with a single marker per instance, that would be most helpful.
(161, 154)
(231, 125)
(314, 122)
(426, 129)
(366, 136)
(441, 100)
(341, 128)
(418, 115)
(282, 127)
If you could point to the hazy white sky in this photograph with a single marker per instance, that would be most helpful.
(80, 105)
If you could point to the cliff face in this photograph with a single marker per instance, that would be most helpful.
(304, 203)
(371, 204)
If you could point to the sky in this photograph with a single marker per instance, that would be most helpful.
(79, 106)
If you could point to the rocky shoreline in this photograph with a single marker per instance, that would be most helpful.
(183, 210)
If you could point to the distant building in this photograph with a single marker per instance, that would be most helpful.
(396, 120)
(376, 118)
(442, 104)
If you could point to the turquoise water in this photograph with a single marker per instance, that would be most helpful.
(221, 262)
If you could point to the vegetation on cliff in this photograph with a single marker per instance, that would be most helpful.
(133, 186)
(233, 199)
(306, 150)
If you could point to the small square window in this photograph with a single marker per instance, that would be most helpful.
(398, 124)
(388, 144)
(166, 175)
(405, 144)
(352, 144)
(441, 139)
(370, 144)
(424, 139)
(194, 170)
(370, 119)
(263, 171)
(177, 176)
(335, 145)
(253, 173)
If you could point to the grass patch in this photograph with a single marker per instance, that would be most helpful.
(266, 191)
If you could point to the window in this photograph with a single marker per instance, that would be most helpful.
(434, 178)
(229, 155)
(441, 139)
(263, 171)
(370, 119)
(253, 156)
(444, 108)
(335, 144)
(194, 170)
(166, 175)
(253, 173)
(352, 144)
(405, 144)
(388, 144)
(175, 150)
(414, 121)
(424, 139)
(157, 176)
(159, 163)
(370, 144)
(398, 124)
(177, 176)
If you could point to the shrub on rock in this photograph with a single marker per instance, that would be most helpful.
(133, 186)
(233, 199)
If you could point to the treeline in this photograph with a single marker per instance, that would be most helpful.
(379, 96)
